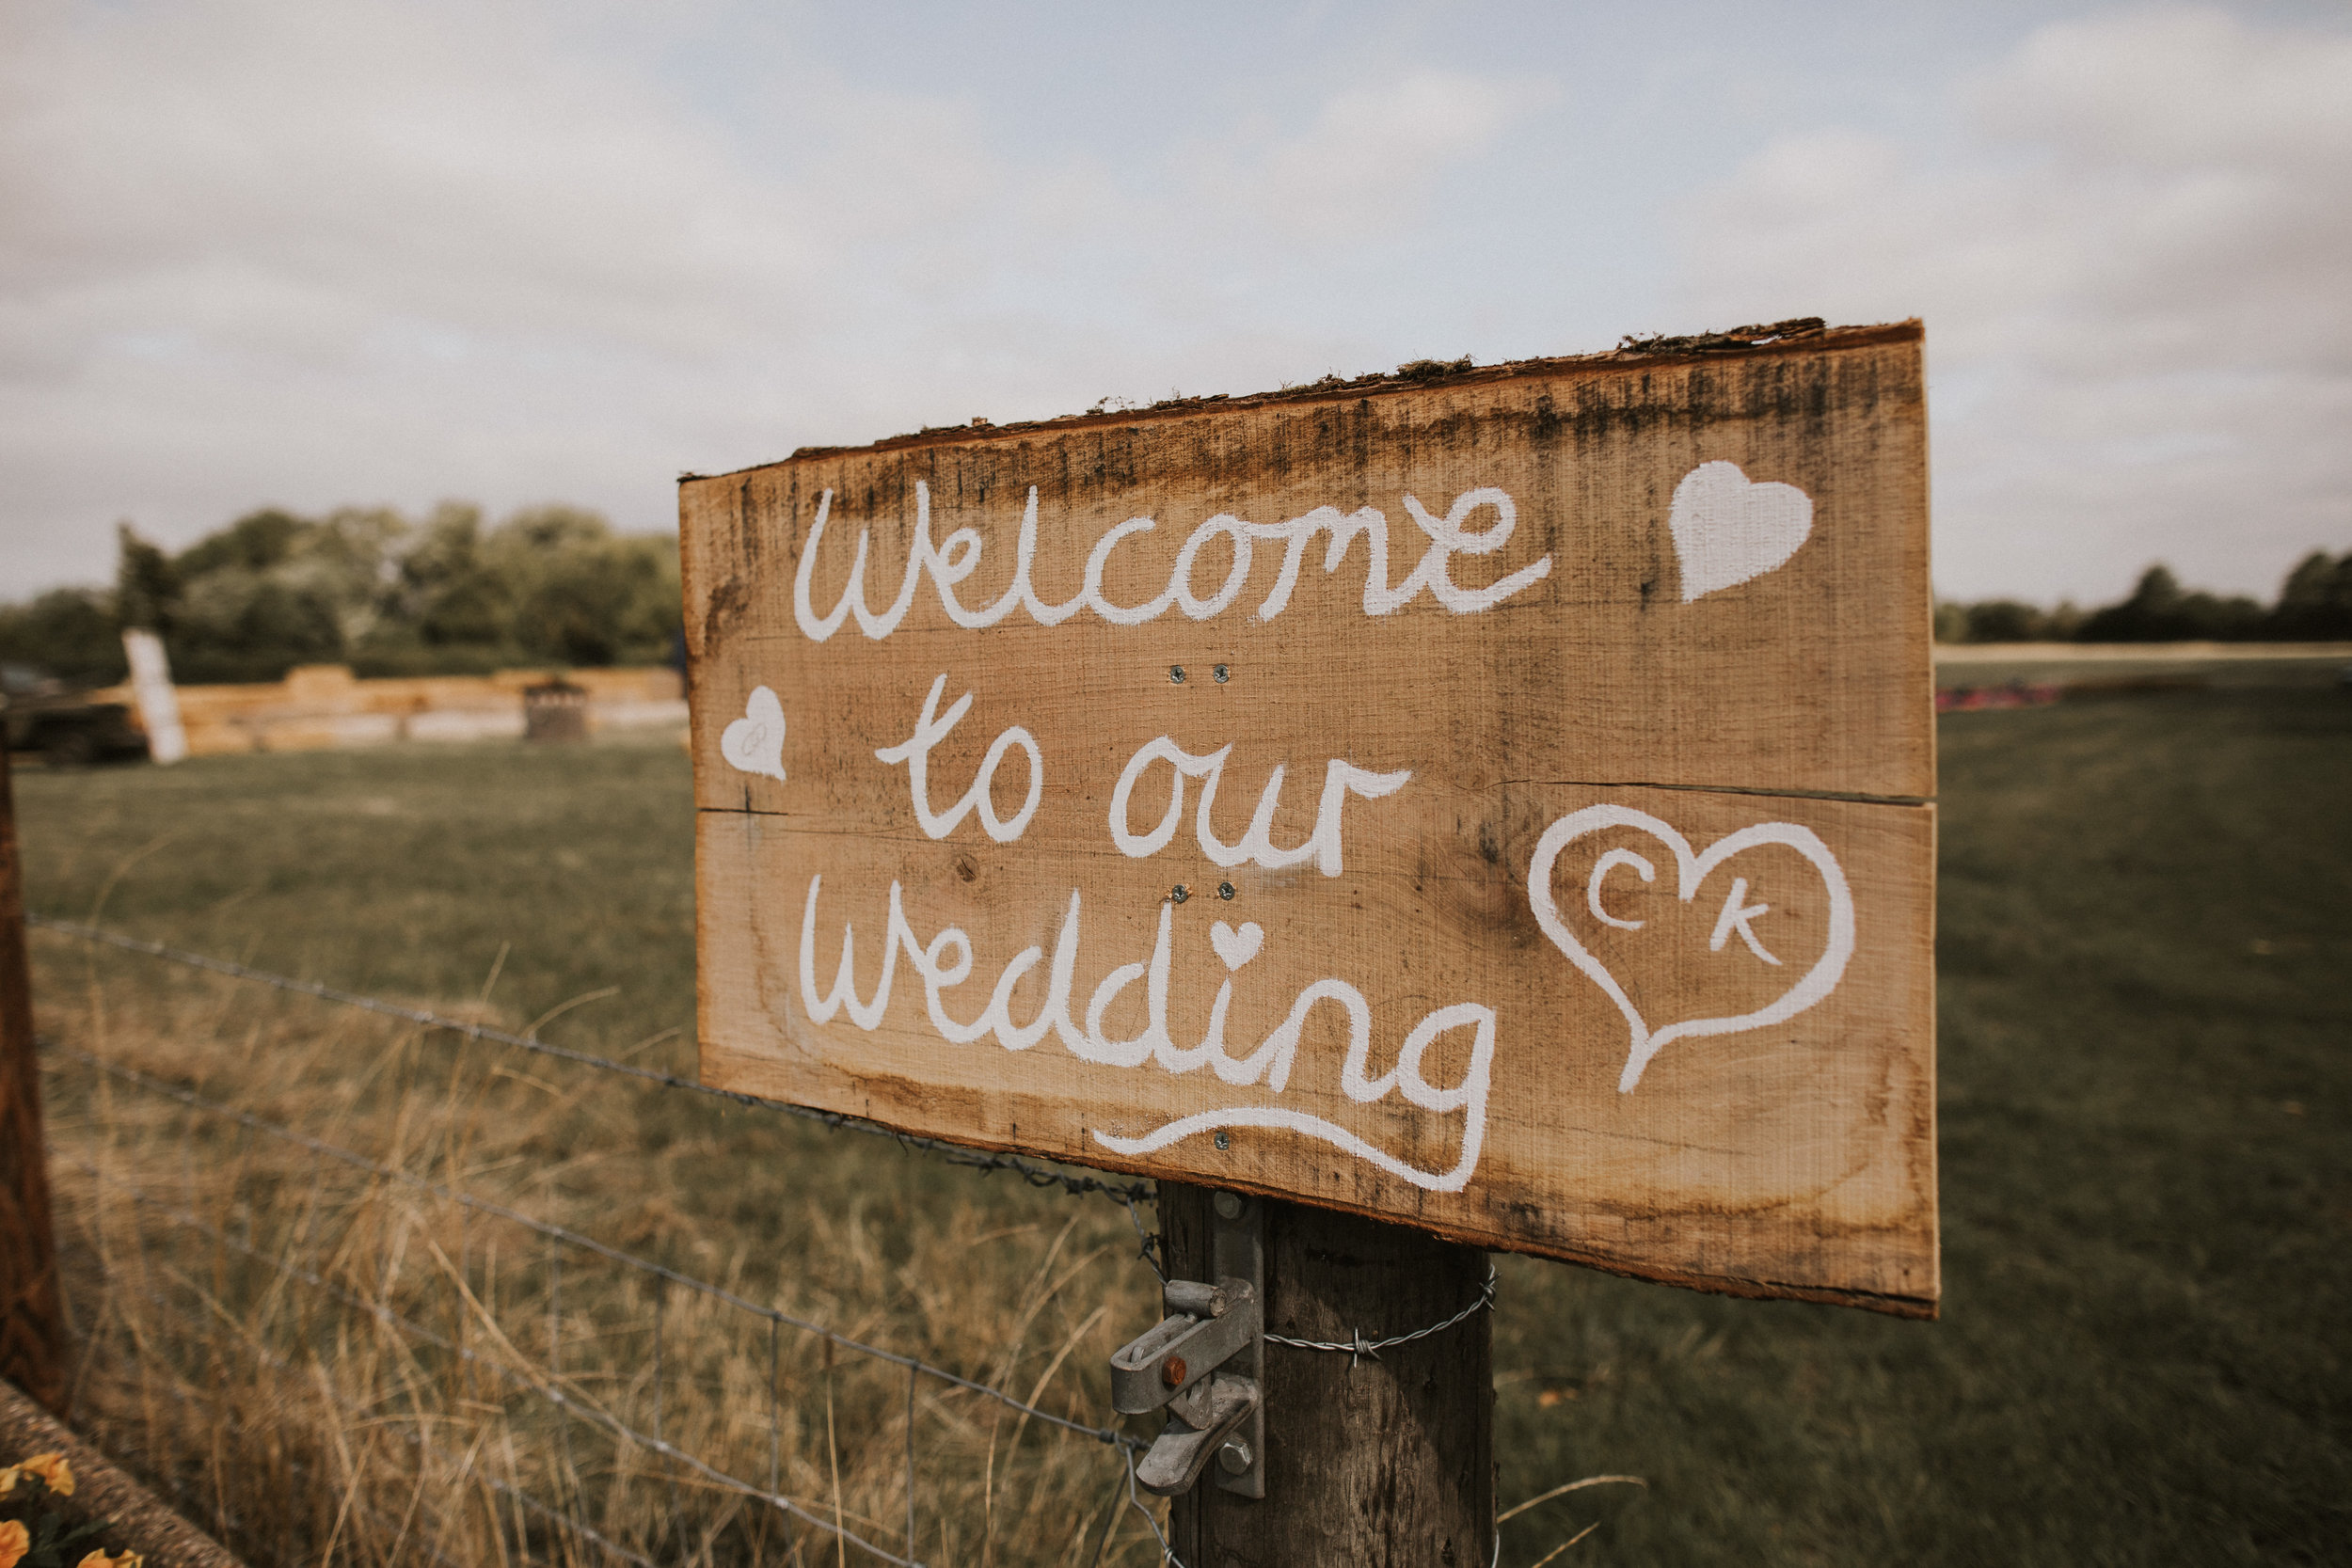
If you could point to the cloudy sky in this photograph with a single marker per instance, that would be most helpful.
(310, 252)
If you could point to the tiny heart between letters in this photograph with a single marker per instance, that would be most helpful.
(1237, 948)
(754, 743)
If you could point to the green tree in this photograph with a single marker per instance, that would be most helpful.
(273, 589)
(2006, 620)
(570, 591)
(256, 542)
(146, 585)
(2315, 601)
(2160, 611)
(612, 601)
(71, 633)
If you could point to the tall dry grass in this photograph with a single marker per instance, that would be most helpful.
(329, 1364)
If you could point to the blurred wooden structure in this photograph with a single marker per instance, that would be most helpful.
(555, 710)
(324, 706)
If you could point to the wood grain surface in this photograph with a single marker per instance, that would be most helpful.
(1565, 881)
(33, 1339)
(138, 1521)
(1379, 1461)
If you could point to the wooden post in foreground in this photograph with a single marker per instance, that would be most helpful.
(1371, 1462)
(32, 1318)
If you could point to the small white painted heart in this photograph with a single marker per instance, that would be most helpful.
(1729, 529)
(1237, 948)
(1816, 982)
(754, 743)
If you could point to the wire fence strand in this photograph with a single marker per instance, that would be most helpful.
(643, 1266)
(1359, 1347)
(570, 1403)
(1031, 1171)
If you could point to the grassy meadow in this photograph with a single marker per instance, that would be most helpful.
(2146, 1003)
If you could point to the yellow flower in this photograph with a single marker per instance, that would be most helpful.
(102, 1560)
(52, 1469)
(15, 1541)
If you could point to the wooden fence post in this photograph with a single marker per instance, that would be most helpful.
(1383, 1462)
(32, 1318)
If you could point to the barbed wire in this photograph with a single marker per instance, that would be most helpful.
(1030, 1171)
(1359, 1347)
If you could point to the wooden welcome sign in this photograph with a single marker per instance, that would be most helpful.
(1498, 805)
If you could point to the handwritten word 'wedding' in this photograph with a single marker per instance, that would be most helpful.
(950, 562)
(946, 960)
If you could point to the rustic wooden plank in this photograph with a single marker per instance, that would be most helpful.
(137, 1520)
(1797, 1155)
(1494, 722)
(1814, 676)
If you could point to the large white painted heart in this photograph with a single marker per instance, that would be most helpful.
(1237, 948)
(1816, 982)
(1729, 529)
(754, 743)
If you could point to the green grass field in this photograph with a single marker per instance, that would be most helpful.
(2146, 1007)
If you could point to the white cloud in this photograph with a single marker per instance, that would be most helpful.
(446, 162)
(1367, 164)
(395, 249)
(258, 252)
(2136, 275)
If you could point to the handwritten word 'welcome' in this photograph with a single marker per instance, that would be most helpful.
(958, 556)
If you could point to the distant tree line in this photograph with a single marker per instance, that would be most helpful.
(446, 595)
(2314, 605)
(554, 585)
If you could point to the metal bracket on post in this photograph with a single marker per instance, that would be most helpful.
(1205, 1364)
(1237, 1250)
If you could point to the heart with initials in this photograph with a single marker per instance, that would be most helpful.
(1691, 869)
(754, 743)
(1729, 529)
(1237, 948)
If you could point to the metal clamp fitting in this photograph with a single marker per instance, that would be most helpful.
(1203, 1363)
